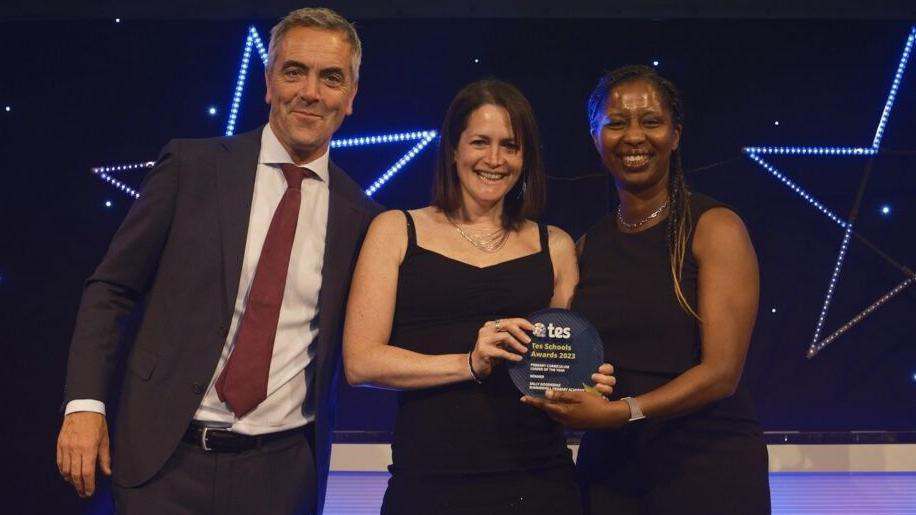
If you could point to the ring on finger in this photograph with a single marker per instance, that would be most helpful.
(499, 325)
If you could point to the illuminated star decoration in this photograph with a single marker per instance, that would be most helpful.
(421, 138)
(755, 153)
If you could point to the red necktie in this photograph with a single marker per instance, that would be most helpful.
(243, 382)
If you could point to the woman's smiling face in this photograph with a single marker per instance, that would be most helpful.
(636, 135)
(488, 159)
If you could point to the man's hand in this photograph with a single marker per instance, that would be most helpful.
(83, 441)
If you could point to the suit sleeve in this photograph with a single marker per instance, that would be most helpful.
(121, 280)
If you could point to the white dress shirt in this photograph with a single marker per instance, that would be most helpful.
(297, 329)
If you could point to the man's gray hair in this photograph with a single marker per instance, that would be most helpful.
(319, 18)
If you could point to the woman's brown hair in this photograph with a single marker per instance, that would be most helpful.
(526, 199)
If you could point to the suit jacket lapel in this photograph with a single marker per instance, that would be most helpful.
(345, 223)
(235, 179)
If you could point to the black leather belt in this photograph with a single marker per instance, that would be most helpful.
(218, 439)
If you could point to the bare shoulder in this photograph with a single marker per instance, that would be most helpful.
(389, 222)
(562, 246)
(720, 229)
(389, 230)
(428, 214)
(559, 239)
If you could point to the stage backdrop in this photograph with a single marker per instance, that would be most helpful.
(783, 120)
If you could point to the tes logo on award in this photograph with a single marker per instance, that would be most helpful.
(552, 331)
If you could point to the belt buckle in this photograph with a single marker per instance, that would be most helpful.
(203, 438)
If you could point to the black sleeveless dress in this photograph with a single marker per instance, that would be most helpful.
(713, 461)
(471, 448)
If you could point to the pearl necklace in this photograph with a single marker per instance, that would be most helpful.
(488, 243)
(642, 221)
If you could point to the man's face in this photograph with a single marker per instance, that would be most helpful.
(310, 89)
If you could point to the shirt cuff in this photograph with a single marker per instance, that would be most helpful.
(84, 405)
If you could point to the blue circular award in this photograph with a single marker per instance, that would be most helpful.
(565, 351)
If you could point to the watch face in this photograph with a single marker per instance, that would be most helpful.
(565, 351)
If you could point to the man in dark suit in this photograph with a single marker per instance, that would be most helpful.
(240, 251)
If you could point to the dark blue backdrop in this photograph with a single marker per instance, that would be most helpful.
(89, 93)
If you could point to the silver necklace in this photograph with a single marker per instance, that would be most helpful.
(488, 243)
(642, 221)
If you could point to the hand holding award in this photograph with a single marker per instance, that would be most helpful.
(565, 351)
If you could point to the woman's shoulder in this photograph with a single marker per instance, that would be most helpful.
(718, 227)
(559, 242)
(392, 231)
(427, 214)
(389, 219)
(555, 235)
(708, 211)
(398, 217)
(559, 238)
(392, 226)
(701, 203)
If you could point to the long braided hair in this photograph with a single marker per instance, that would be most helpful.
(680, 223)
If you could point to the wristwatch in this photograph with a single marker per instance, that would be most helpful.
(635, 412)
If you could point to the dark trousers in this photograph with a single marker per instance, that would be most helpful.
(535, 492)
(277, 478)
(687, 466)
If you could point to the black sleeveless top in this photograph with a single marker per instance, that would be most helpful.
(469, 428)
(625, 289)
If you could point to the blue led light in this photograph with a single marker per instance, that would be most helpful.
(253, 40)
(797, 189)
(104, 173)
(812, 151)
(814, 349)
(107, 203)
(655, 63)
(755, 153)
(117, 20)
(424, 137)
(211, 111)
(776, 123)
(476, 60)
(832, 287)
(7, 109)
(895, 85)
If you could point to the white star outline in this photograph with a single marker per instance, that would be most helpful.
(253, 41)
(755, 153)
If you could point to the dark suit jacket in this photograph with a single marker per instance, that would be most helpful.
(180, 249)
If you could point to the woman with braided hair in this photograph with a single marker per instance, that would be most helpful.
(670, 280)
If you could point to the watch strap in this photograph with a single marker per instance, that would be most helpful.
(635, 412)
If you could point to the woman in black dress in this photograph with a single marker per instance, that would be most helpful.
(670, 279)
(433, 312)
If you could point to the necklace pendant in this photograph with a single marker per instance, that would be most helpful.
(643, 221)
(489, 243)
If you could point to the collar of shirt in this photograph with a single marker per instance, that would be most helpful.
(273, 153)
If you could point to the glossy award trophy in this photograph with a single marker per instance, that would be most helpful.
(565, 351)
